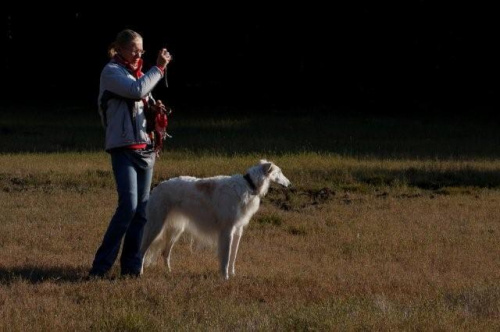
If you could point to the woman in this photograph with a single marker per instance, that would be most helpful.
(124, 101)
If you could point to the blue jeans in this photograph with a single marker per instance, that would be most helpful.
(133, 184)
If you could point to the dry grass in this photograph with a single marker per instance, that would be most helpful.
(357, 244)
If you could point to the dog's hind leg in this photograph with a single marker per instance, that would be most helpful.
(191, 243)
(225, 243)
(234, 250)
(176, 233)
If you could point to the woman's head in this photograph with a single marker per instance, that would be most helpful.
(128, 44)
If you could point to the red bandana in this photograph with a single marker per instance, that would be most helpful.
(137, 72)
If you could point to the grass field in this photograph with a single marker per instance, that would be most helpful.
(392, 224)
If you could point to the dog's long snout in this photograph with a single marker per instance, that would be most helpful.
(286, 184)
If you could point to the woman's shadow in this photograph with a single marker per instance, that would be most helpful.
(38, 274)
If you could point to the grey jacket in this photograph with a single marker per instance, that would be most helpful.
(121, 104)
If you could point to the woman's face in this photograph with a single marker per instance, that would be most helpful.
(132, 52)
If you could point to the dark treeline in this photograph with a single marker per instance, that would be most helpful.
(418, 57)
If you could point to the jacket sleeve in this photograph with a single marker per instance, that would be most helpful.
(118, 81)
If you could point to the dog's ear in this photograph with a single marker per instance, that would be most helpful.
(263, 161)
(267, 167)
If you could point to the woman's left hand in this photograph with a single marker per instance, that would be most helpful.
(164, 57)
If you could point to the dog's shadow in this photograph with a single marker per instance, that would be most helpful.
(37, 274)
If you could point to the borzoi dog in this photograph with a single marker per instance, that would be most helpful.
(216, 208)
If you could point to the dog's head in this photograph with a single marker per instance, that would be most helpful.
(274, 173)
(262, 174)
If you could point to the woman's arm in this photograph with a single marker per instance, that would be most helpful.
(117, 80)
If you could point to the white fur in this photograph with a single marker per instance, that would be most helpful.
(214, 209)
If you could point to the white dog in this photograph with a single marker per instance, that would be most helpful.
(216, 208)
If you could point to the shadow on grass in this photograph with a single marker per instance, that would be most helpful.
(431, 179)
(37, 274)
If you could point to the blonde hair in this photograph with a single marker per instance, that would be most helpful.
(123, 38)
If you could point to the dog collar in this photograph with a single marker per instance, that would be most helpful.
(250, 182)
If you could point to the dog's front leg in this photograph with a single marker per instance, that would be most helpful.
(234, 249)
(225, 241)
